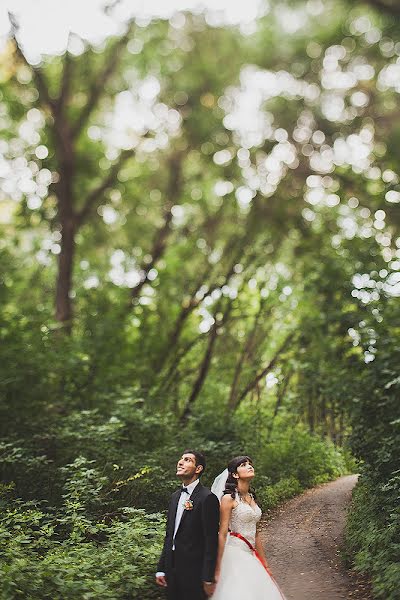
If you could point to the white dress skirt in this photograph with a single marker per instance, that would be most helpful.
(243, 576)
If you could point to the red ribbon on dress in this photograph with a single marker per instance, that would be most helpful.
(256, 554)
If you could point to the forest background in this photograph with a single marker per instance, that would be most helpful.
(200, 248)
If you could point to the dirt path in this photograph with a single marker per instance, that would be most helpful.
(303, 539)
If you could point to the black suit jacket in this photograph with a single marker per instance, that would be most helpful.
(196, 541)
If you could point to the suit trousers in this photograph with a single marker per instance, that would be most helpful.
(182, 587)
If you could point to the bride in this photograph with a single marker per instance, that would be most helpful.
(242, 571)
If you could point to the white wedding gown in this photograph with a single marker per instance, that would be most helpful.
(242, 576)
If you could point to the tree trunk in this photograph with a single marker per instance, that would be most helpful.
(340, 435)
(167, 381)
(206, 362)
(310, 414)
(279, 399)
(66, 217)
(198, 384)
(252, 384)
(332, 422)
(64, 276)
(245, 352)
(186, 311)
(323, 416)
(66, 132)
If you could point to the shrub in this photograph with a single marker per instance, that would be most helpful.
(269, 497)
(306, 457)
(373, 536)
(103, 561)
(373, 531)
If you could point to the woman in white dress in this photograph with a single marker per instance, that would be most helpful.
(242, 571)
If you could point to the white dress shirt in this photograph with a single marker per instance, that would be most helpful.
(179, 512)
(181, 506)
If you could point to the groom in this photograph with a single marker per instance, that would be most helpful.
(187, 564)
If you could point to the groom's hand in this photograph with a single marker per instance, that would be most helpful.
(209, 588)
(161, 580)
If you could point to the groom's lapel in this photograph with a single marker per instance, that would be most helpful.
(192, 498)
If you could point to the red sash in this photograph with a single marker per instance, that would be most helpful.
(256, 554)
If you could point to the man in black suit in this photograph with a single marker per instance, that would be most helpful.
(187, 564)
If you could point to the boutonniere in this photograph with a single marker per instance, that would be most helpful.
(188, 505)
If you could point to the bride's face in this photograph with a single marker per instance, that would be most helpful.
(246, 470)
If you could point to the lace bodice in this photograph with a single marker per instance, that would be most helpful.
(244, 519)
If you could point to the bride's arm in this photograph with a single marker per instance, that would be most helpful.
(227, 503)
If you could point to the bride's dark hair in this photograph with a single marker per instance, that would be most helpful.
(231, 482)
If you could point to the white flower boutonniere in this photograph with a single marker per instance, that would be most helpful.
(188, 505)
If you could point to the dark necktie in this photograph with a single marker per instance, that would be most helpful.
(184, 489)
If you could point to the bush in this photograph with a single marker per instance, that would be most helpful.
(306, 457)
(373, 536)
(77, 550)
(96, 560)
(373, 531)
(269, 497)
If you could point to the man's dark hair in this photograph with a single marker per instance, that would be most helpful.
(199, 458)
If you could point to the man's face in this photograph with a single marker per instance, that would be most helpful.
(186, 467)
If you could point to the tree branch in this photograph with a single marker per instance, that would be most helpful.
(206, 362)
(95, 196)
(160, 238)
(243, 356)
(252, 384)
(190, 305)
(100, 81)
(168, 379)
(40, 82)
(65, 81)
(279, 399)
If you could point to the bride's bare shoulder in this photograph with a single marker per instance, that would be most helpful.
(227, 500)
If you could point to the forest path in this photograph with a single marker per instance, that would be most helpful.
(303, 539)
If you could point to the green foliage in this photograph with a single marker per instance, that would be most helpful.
(90, 543)
(373, 531)
(105, 561)
(273, 495)
(308, 458)
(230, 286)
